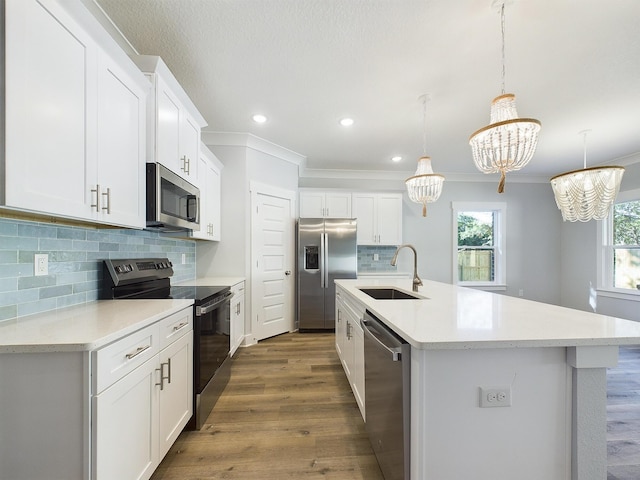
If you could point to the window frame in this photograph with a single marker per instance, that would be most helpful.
(605, 253)
(500, 245)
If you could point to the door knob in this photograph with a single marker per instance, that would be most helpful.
(288, 272)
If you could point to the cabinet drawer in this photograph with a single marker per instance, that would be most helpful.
(238, 289)
(123, 356)
(175, 326)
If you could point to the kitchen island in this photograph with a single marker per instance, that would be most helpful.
(551, 359)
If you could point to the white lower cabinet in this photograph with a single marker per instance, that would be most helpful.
(237, 316)
(125, 426)
(146, 399)
(350, 343)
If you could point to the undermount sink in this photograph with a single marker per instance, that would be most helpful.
(389, 294)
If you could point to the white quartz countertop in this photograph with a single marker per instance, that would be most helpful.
(452, 317)
(83, 327)
(213, 281)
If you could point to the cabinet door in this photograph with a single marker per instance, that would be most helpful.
(189, 147)
(209, 184)
(311, 205)
(237, 320)
(176, 392)
(205, 200)
(357, 383)
(50, 110)
(125, 426)
(121, 146)
(215, 204)
(338, 205)
(364, 210)
(341, 329)
(167, 128)
(389, 219)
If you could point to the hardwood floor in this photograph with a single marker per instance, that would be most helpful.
(287, 413)
(623, 416)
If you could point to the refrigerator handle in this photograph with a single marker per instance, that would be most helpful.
(321, 262)
(326, 260)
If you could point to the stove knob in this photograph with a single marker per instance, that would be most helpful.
(118, 269)
(170, 264)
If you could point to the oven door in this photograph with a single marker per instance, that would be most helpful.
(211, 361)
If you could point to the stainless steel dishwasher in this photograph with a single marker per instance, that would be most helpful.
(387, 367)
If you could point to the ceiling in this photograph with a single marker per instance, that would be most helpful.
(305, 64)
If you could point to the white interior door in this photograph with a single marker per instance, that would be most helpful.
(272, 280)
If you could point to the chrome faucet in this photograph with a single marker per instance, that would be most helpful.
(416, 279)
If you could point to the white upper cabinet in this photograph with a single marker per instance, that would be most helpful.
(379, 217)
(209, 172)
(121, 146)
(173, 136)
(74, 117)
(321, 204)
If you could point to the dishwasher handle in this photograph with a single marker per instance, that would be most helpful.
(395, 350)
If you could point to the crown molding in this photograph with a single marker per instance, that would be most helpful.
(247, 140)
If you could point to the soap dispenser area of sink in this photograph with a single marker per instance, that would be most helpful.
(389, 293)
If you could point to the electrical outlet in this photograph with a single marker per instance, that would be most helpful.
(41, 264)
(184, 258)
(495, 396)
(376, 257)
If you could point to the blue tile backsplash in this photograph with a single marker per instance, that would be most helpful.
(75, 262)
(367, 264)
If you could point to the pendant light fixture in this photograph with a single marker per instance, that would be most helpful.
(587, 194)
(425, 186)
(508, 142)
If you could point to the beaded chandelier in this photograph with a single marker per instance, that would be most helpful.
(508, 142)
(425, 186)
(587, 194)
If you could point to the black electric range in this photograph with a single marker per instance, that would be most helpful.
(149, 278)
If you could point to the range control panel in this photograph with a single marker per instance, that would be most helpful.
(138, 270)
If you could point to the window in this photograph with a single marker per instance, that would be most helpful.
(479, 250)
(620, 262)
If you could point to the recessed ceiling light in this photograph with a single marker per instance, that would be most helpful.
(396, 159)
(258, 118)
(346, 122)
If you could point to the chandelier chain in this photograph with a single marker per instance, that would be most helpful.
(584, 145)
(504, 70)
(424, 124)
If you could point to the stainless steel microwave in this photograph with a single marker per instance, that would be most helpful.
(172, 202)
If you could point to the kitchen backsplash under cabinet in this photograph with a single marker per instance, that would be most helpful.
(75, 257)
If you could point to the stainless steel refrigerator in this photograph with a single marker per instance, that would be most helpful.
(326, 251)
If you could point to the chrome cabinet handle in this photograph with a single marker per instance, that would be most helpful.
(138, 351)
(108, 196)
(162, 377)
(348, 330)
(179, 326)
(97, 192)
(187, 165)
(183, 159)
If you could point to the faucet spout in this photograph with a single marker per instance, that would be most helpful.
(416, 279)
